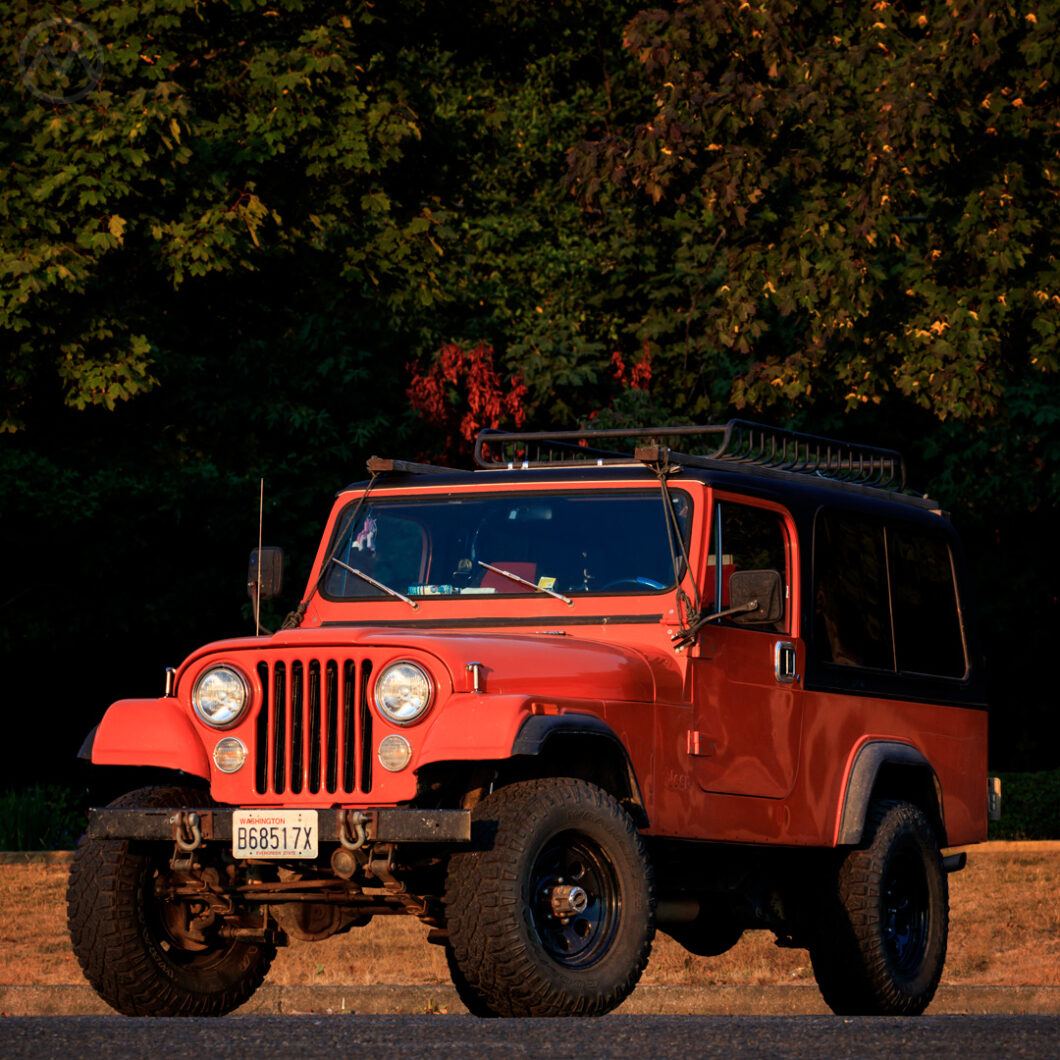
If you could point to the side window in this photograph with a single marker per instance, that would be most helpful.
(745, 538)
(927, 622)
(852, 619)
(885, 598)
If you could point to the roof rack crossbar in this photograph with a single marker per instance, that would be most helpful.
(738, 441)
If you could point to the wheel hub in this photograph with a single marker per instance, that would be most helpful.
(568, 899)
(576, 900)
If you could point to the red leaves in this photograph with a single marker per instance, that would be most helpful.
(462, 393)
(637, 376)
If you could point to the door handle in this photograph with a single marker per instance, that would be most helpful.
(784, 662)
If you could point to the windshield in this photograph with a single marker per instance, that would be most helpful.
(556, 543)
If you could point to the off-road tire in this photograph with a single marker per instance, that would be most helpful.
(880, 941)
(468, 998)
(119, 937)
(515, 954)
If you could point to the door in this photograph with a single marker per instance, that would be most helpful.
(747, 713)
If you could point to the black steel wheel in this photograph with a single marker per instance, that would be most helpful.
(880, 943)
(576, 900)
(144, 954)
(906, 913)
(553, 915)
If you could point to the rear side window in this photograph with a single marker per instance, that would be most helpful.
(885, 598)
(927, 623)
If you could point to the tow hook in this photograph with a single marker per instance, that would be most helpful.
(187, 830)
(352, 835)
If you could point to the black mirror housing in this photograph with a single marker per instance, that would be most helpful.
(763, 586)
(265, 570)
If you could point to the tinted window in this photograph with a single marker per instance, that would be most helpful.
(569, 543)
(927, 624)
(750, 539)
(852, 622)
(884, 598)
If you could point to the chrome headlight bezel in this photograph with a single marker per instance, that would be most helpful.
(394, 703)
(223, 717)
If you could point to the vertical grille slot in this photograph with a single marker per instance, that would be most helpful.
(350, 727)
(313, 733)
(366, 730)
(331, 726)
(295, 716)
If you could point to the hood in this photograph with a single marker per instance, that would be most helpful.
(538, 664)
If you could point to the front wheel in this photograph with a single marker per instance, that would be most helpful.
(144, 954)
(880, 943)
(554, 914)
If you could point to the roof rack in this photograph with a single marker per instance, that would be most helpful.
(738, 442)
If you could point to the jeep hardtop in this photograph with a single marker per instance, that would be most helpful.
(703, 679)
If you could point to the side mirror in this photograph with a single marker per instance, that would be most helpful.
(765, 587)
(265, 574)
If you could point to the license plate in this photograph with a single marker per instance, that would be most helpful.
(274, 834)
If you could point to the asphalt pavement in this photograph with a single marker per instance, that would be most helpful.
(795, 1000)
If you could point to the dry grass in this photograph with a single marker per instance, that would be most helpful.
(1005, 931)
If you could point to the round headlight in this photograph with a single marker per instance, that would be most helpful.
(403, 692)
(220, 696)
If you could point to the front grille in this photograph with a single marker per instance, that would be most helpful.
(314, 730)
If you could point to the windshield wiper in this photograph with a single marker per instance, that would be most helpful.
(371, 581)
(522, 581)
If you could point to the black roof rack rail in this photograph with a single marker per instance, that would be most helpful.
(738, 441)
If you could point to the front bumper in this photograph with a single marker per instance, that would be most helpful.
(214, 823)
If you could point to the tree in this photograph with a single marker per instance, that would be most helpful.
(504, 89)
(858, 201)
(217, 142)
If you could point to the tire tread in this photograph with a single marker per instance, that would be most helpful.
(110, 939)
(488, 935)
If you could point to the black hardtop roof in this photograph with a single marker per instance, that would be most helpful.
(737, 453)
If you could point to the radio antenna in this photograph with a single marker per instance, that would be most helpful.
(257, 594)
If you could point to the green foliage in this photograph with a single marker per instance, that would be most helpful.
(41, 818)
(221, 140)
(857, 202)
(1030, 806)
(505, 89)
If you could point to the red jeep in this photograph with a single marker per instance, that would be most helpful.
(723, 681)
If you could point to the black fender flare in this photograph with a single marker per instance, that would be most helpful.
(541, 729)
(870, 759)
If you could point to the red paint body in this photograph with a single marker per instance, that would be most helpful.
(720, 748)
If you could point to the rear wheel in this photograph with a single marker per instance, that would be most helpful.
(554, 914)
(880, 944)
(146, 955)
